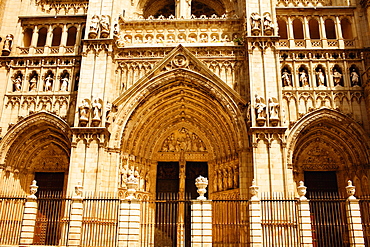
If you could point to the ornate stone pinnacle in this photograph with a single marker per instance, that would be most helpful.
(302, 190)
(351, 191)
(201, 183)
(33, 190)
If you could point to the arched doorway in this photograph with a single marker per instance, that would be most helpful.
(178, 124)
(328, 149)
(38, 148)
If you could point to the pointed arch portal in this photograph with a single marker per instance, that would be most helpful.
(182, 115)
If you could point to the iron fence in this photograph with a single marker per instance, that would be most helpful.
(365, 217)
(166, 221)
(11, 215)
(230, 223)
(279, 220)
(329, 220)
(52, 219)
(100, 221)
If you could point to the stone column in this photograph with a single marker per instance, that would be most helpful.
(75, 224)
(35, 37)
(305, 230)
(29, 217)
(306, 28)
(255, 217)
(338, 30)
(323, 32)
(290, 33)
(63, 41)
(129, 216)
(201, 217)
(356, 234)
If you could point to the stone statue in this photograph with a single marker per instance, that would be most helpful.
(355, 79)
(17, 82)
(303, 79)
(256, 23)
(273, 108)
(260, 108)
(94, 27)
(96, 106)
(64, 83)
(268, 26)
(337, 77)
(320, 77)
(286, 78)
(84, 109)
(8, 44)
(104, 26)
(49, 83)
(33, 84)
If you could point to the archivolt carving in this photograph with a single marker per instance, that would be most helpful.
(183, 106)
(350, 141)
(40, 119)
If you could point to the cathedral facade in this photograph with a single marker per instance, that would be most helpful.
(241, 92)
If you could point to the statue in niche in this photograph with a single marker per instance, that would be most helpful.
(33, 83)
(104, 26)
(64, 82)
(355, 78)
(203, 38)
(215, 181)
(17, 82)
(48, 82)
(286, 78)
(268, 26)
(260, 110)
(94, 27)
(236, 177)
(256, 23)
(320, 77)
(337, 77)
(7, 44)
(220, 179)
(123, 173)
(274, 111)
(303, 78)
(84, 110)
(226, 38)
(96, 107)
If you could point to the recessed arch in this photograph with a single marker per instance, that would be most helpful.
(318, 142)
(38, 143)
(180, 103)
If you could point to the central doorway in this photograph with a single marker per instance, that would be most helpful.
(174, 190)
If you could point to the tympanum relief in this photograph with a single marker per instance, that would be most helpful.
(183, 140)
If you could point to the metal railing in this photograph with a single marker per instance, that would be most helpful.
(52, 219)
(166, 221)
(230, 223)
(11, 215)
(279, 220)
(329, 219)
(100, 221)
(365, 217)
